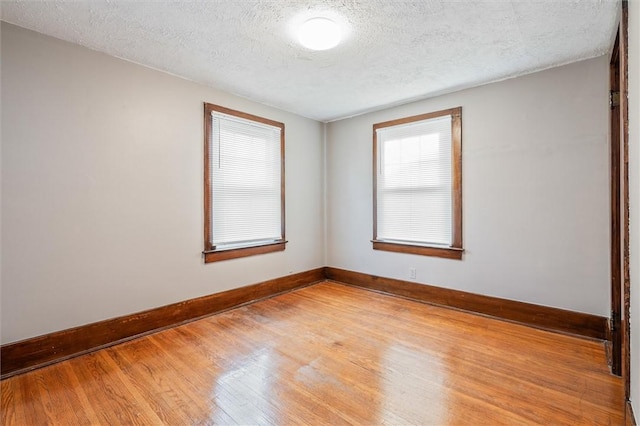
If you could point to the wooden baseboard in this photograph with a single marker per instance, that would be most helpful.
(547, 318)
(47, 349)
(608, 351)
(629, 418)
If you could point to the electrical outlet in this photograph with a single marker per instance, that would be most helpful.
(412, 273)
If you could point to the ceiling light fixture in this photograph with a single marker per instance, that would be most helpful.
(319, 34)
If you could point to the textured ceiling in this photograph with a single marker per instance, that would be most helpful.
(393, 52)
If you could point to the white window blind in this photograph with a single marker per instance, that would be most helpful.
(414, 182)
(245, 176)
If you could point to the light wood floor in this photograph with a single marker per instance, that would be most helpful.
(328, 354)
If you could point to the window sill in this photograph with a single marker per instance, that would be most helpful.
(444, 252)
(236, 252)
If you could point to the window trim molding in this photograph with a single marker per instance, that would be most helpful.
(456, 249)
(236, 252)
(210, 252)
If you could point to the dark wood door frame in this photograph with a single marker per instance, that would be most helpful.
(614, 170)
(626, 281)
(619, 169)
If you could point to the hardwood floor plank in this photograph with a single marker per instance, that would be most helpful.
(54, 394)
(328, 354)
(156, 381)
(253, 340)
(197, 376)
(13, 407)
(100, 381)
(236, 352)
(475, 368)
(75, 387)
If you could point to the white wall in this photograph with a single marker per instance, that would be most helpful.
(535, 191)
(102, 206)
(634, 198)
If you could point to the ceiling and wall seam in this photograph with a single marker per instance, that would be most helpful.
(393, 52)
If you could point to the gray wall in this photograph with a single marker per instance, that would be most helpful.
(535, 191)
(102, 190)
(102, 206)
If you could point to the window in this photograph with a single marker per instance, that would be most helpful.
(417, 166)
(243, 184)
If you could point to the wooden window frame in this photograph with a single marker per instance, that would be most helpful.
(456, 250)
(210, 252)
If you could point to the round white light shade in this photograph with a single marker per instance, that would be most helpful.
(319, 34)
